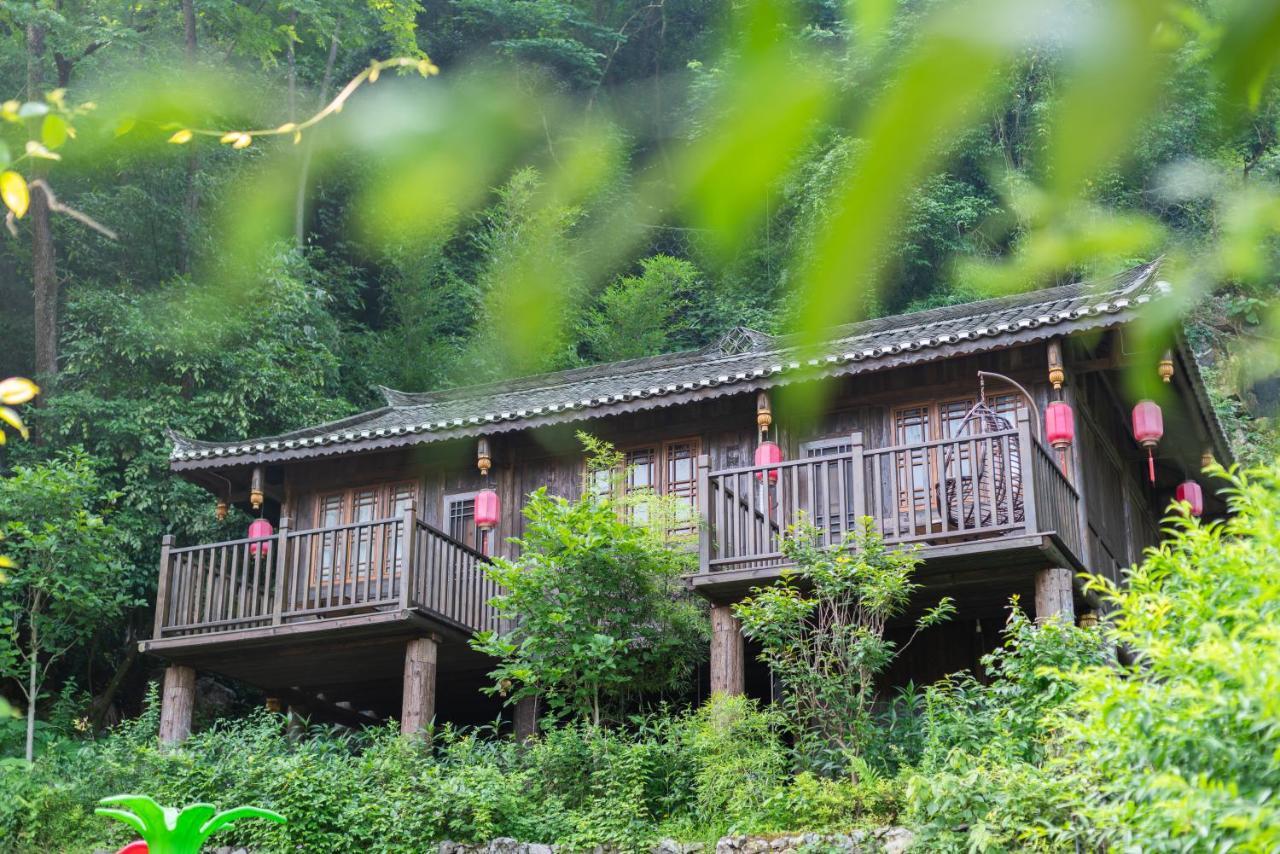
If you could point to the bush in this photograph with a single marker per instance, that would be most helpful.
(821, 630)
(1177, 750)
(596, 609)
(1028, 677)
(1185, 742)
(693, 775)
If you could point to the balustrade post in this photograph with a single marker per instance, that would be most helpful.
(162, 588)
(858, 479)
(283, 571)
(1026, 470)
(705, 521)
(408, 564)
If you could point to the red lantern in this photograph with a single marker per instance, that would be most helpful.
(138, 847)
(768, 453)
(1148, 429)
(1190, 492)
(1059, 425)
(261, 530)
(486, 509)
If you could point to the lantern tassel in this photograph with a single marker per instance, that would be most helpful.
(1151, 465)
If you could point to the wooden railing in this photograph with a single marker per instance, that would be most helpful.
(449, 580)
(935, 492)
(1057, 502)
(293, 576)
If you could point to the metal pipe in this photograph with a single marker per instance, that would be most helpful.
(1030, 400)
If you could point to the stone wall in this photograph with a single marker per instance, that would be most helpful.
(884, 840)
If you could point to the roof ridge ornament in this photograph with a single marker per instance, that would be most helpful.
(740, 340)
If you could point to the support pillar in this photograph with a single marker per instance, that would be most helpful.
(526, 718)
(177, 702)
(727, 652)
(418, 706)
(1054, 594)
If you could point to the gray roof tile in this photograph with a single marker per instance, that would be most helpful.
(741, 357)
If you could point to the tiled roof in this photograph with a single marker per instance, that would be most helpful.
(743, 359)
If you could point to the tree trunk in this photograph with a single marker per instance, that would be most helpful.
(191, 196)
(304, 168)
(32, 668)
(101, 705)
(44, 270)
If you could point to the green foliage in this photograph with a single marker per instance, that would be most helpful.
(691, 775)
(821, 631)
(1199, 756)
(67, 580)
(981, 804)
(1027, 678)
(739, 760)
(1174, 751)
(595, 609)
(646, 314)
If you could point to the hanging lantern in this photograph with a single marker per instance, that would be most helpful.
(486, 512)
(221, 511)
(484, 459)
(1165, 369)
(1148, 429)
(1057, 374)
(768, 453)
(1190, 493)
(764, 411)
(255, 488)
(260, 531)
(1059, 425)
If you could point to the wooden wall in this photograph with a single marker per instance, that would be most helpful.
(1120, 519)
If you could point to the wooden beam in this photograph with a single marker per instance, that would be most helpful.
(177, 703)
(1054, 594)
(418, 705)
(727, 652)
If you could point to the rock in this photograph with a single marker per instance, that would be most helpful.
(896, 840)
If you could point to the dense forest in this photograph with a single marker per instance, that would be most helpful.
(224, 291)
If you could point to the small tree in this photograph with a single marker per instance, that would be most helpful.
(68, 574)
(596, 608)
(822, 630)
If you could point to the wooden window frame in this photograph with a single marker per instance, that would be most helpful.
(936, 425)
(661, 461)
(483, 539)
(385, 498)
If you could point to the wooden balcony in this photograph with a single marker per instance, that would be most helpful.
(298, 582)
(999, 497)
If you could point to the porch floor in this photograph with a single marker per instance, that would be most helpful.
(357, 659)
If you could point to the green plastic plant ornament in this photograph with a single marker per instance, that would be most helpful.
(167, 830)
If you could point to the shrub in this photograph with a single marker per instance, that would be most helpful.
(821, 631)
(596, 609)
(739, 760)
(1028, 677)
(1185, 742)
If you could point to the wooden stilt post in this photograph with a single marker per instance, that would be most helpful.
(418, 706)
(176, 703)
(1054, 594)
(726, 652)
(526, 718)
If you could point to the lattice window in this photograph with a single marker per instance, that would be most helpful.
(460, 522)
